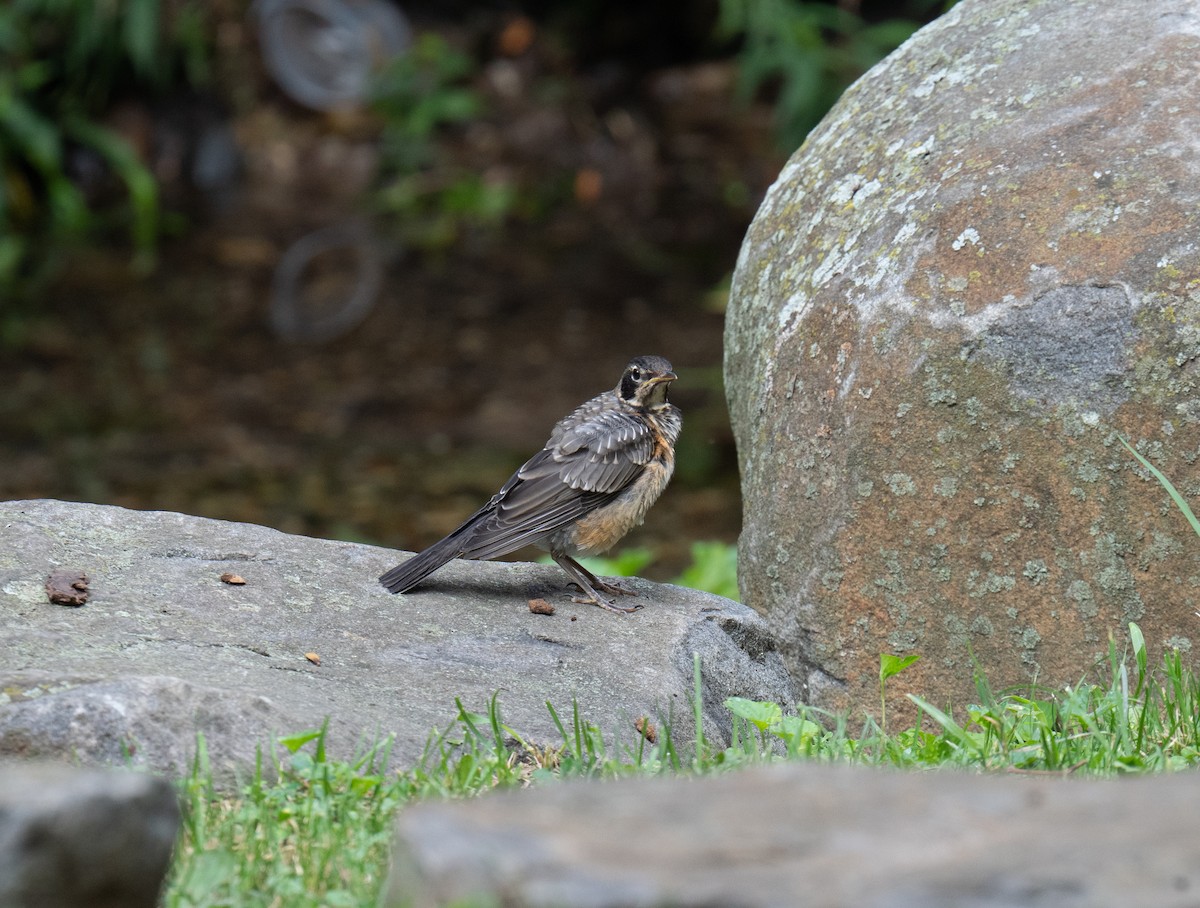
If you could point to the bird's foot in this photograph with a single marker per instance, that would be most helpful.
(607, 603)
(591, 594)
(589, 585)
(614, 586)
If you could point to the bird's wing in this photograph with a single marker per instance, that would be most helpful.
(587, 462)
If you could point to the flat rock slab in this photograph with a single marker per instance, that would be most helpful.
(164, 649)
(807, 835)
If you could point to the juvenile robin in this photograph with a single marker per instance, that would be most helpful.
(593, 482)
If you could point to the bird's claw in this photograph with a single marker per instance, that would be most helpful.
(616, 587)
(591, 595)
(607, 604)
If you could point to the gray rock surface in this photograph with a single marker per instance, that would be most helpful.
(164, 649)
(83, 838)
(811, 836)
(979, 269)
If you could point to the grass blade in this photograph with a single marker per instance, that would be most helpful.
(1166, 484)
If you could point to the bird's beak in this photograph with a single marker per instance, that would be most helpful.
(665, 376)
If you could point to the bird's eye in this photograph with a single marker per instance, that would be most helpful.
(635, 374)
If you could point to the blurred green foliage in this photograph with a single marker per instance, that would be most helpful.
(62, 63)
(713, 568)
(625, 563)
(809, 52)
(419, 92)
(429, 197)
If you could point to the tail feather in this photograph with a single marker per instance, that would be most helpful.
(403, 577)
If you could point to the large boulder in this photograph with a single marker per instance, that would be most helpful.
(807, 835)
(980, 269)
(163, 649)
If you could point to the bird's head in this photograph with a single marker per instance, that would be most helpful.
(645, 381)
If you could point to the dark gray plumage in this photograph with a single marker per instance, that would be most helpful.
(602, 468)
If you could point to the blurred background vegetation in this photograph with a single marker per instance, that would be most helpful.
(336, 266)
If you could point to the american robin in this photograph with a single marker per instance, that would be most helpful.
(602, 468)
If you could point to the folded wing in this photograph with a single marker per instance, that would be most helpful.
(584, 465)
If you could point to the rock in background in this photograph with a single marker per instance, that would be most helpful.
(980, 268)
(808, 835)
(164, 648)
(73, 838)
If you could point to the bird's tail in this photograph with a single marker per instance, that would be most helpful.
(403, 577)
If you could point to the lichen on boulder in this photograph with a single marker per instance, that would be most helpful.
(980, 269)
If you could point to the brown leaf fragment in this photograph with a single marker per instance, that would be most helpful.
(646, 728)
(67, 587)
(233, 579)
(541, 607)
(589, 186)
(313, 658)
(516, 36)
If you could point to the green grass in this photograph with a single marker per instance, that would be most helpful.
(319, 833)
(1133, 719)
(316, 835)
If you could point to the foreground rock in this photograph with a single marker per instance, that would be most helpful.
(979, 269)
(164, 649)
(808, 835)
(72, 838)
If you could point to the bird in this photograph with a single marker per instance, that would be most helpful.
(603, 467)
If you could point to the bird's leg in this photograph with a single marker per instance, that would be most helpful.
(588, 583)
(614, 585)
